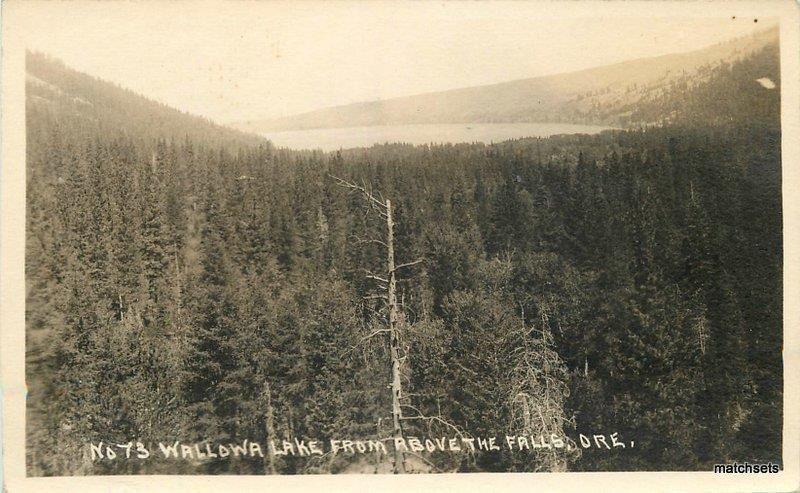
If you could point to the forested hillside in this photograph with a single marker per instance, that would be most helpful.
(614, 95)
(95, 106)
(186, 282)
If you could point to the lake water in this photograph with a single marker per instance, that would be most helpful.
(329, 139)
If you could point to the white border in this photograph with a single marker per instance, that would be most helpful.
(20, 16)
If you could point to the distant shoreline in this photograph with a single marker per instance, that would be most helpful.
(331, 139)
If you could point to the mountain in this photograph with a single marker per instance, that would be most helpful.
(87, 101)
(603, 95)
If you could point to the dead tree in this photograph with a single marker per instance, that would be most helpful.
(269, 425)
(388, 286)
(538, 395)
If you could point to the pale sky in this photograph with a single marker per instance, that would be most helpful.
(251, 60)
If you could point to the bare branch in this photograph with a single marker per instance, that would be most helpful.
(363, 189)
(373, 334)
(409, 264)
(439, 420)
(365, 339)
(359, 241)
(377, 313)
(375, 297)
(378, 278)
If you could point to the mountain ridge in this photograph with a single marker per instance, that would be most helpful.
(51, 85)
(599, 95)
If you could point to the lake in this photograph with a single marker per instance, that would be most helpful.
(330, 139)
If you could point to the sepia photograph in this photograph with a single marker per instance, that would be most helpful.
(401, 238)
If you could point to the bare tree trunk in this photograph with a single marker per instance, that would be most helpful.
(178, 291)
(389, 286)
(270, 425)
(394, 342)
